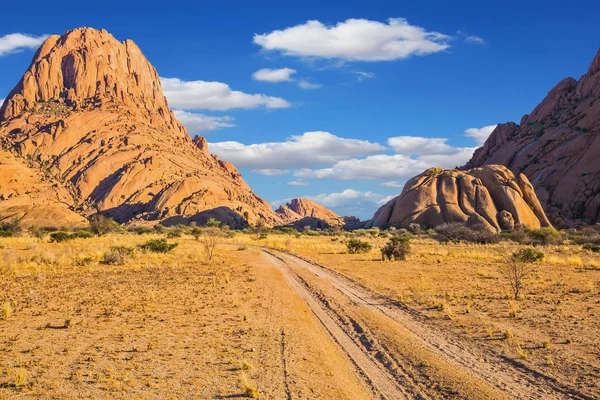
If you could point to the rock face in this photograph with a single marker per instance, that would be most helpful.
(89, 115)
(557, 148)
(490, 196)
(304, 212)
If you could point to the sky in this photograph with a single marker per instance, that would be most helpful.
(338, 101)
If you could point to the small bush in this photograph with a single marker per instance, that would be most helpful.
(82, 235)
(595, 248)
(459, 232)
(141, 231)
(196, 232)
(397, 248)
(118, 255)
(544, 236)
(158, 246)
(415, 228)
(527, 255)
(58, 237)
(355, 246)
(174, 233)
(10, 228)
(101, 225)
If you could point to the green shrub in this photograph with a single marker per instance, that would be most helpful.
(196, 232)
(10, 228)
(101, 225)
(118, 255)
(459, 232)
(212, 223)
(355, 246)
(415, 228)
(158, 246)
(174, 233)
(397, 248)
(82, 235)
(592, 247)
(544, 236)
(527, 255)
(58, 237)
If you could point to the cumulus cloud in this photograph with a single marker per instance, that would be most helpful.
(415, 145)
(15, 42)
(475, 40)
(304, 84)
(196, 123)
(354, 40)
(274, 75)
(480, 134)
(298, 182)
(386, 167)
(271, 171)
(198, 95)
(307, 150)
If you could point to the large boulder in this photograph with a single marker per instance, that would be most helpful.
(491, 197)
(89, 114)
(556, 147)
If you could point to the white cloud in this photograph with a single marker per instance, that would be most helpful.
(304, 84)
(480, 134)
(393, 184)
(387, 167)
(411, 145)
(354, 40)
(297, 182)
(1, 102)
(15, 42)
(350, 197)
(362, 75)
(197, 95)
(307, 150)
(475, 40)
(271, 171)
(196, 123)
(274, 75)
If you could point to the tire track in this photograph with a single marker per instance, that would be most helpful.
(521, 383)
(375, 375)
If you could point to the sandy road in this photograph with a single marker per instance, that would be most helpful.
(510, 378)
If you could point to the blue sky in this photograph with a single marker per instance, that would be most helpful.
(365, 96)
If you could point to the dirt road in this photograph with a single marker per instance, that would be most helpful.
(391, 365)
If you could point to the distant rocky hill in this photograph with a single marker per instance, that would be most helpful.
(490, 196)
(557, 147)
(89, 130)
(304, 212)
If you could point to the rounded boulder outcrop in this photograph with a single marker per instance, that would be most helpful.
(490, 196)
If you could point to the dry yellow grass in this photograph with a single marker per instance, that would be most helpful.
(167, 325)
(459, 287)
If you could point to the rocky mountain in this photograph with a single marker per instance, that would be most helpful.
(304, 212)
(490, 196)
(90, 130)
(557, 148)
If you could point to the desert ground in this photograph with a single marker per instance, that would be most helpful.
(293, 316)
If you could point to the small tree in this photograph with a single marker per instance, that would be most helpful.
(397, 248)
(517, 269)
(260, 227)
(209, 239)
